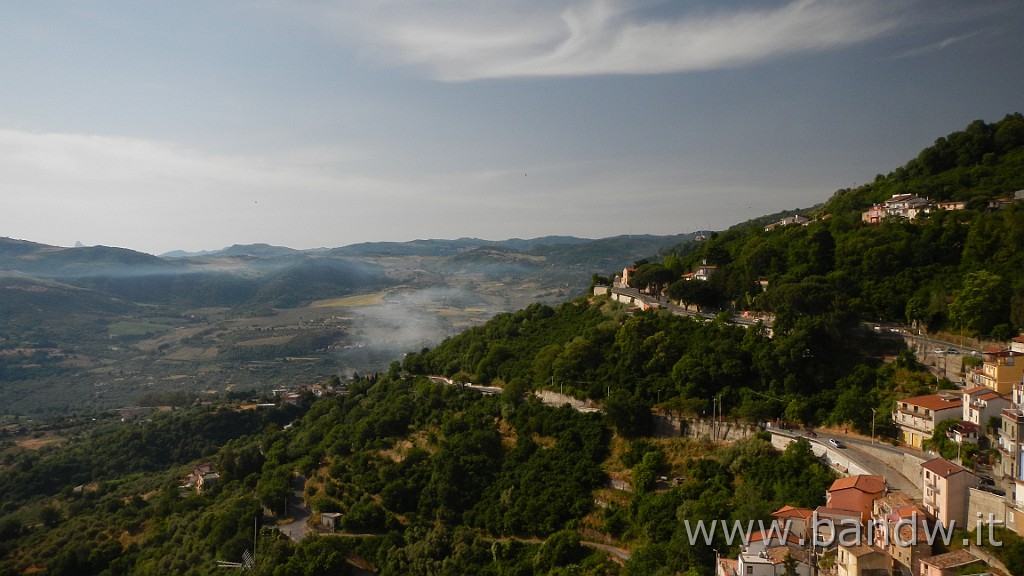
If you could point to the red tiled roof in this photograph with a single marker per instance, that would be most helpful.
(868, 484)
(990, 395)
(942, 467)
(932, 402)
(952, 559)
(793, 512)
(826, 512)
(760, 535)
(965, 427)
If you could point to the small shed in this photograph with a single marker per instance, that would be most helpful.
(329, 520)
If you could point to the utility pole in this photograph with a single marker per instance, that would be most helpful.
(872, 425)
(714, 415)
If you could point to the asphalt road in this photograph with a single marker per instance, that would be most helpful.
(297, 528)
(851, 451)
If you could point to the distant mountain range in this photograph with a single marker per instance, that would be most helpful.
(265, 275)
(105, 324)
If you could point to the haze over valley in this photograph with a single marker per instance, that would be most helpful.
(94, 327)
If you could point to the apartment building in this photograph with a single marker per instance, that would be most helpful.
(916, 417)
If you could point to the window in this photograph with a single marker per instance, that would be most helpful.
(750, 570)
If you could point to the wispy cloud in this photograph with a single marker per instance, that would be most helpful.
(459, 40)
(938, 46)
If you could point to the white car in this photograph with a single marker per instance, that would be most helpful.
(836, 443)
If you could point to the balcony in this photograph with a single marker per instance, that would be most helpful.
(1015, 415)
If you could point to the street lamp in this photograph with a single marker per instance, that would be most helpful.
(872, 425)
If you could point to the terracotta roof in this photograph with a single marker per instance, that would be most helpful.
(793, 512)
(976, 389)
(759, 536)
(932, 402)
(778, 554)
(965, 427)
(990, 395)
(942, 467)
(908, 511)
(895, 500)
(865, 483)
(952, 559)
(825, 511)
(910, 536)
(861, 550)
(729, 565)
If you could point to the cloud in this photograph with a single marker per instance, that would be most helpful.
(461, 40)
(938, 46)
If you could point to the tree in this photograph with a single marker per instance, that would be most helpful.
(981, 303)
(646, 473)
(653, 277)
(630, 415)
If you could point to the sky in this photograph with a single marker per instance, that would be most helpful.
(195, 125)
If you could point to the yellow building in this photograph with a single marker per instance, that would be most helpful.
(1000, 370)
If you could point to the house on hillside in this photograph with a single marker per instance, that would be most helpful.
(916, 417)
(862, 560)
(905, 206)
(901, 529)
(951, 563)
(981, 403)
(964, 432)
(856, 494)
(1011, 439)
(1010, 443)
(944, 491)
(795, 220)
(771, 561)
(951, 205)
(203, 477)
(797, 520)
(1000, 370)
(702, 272)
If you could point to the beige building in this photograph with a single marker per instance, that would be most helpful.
(951, 563)
(916, 417)
(861, 560)
(1000, 370)
(901, 529)
(945, 491)
(798, 520)
(771, 561)
(1011, 436)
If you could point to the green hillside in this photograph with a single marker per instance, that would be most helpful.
(956, 270)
